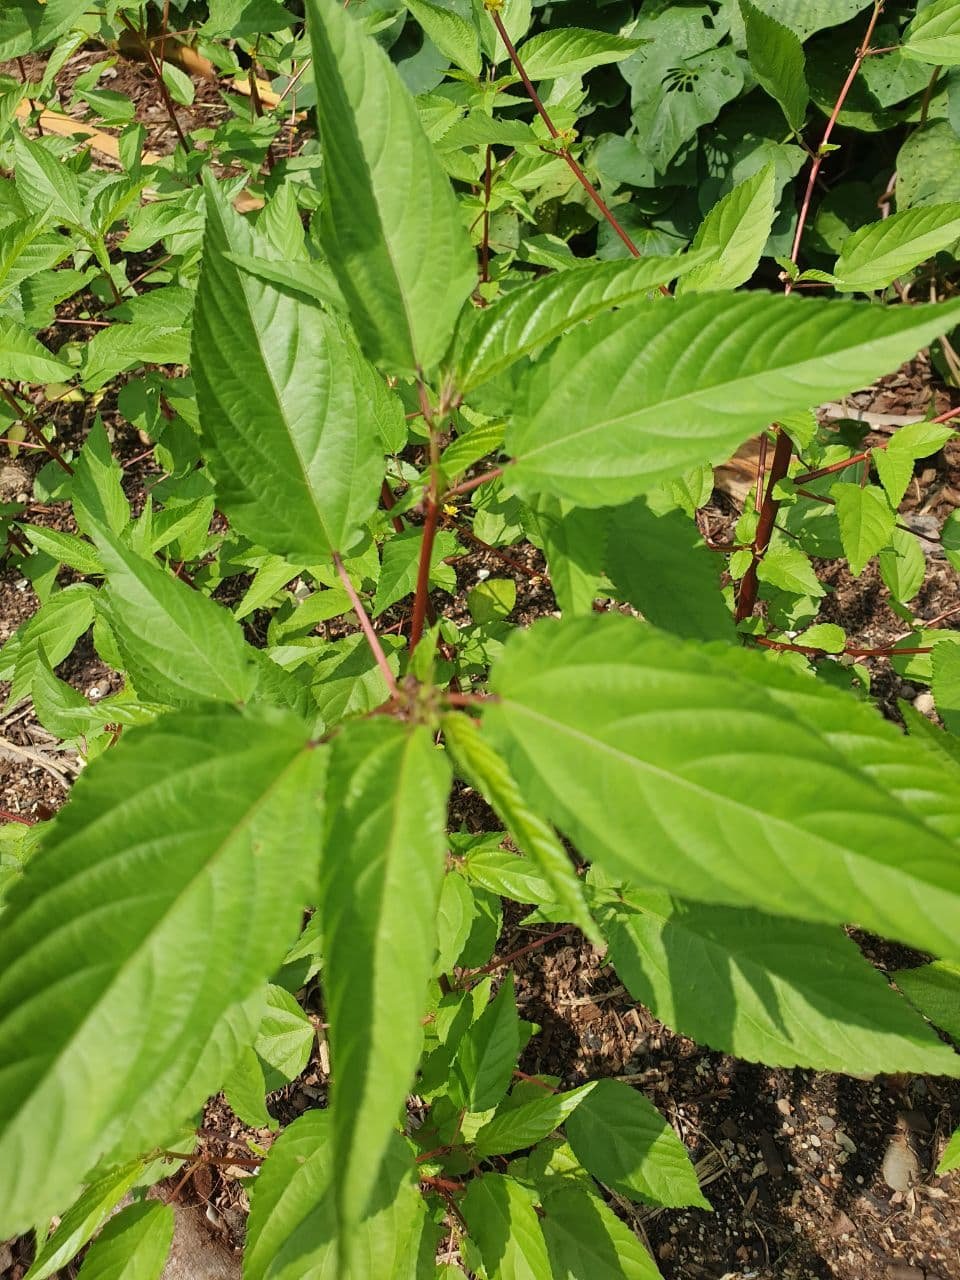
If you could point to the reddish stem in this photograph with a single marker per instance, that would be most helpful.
(468, 486)
(389, 501)
(7, 816)
(563, 151)
(422, 597)
(485, 241)
(784, 647)
(750, 583)
(366, 626)
(522, 951)
(821, 153)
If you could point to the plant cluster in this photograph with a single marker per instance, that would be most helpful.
(497, 300)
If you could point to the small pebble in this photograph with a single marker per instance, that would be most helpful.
(924, 703)
(847, 1143)
(826, 1123)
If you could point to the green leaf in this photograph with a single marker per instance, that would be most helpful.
(67, 548)
(132, 1246)
(659, 564)
(569, 51)
(492, 339)
(585, 1238)
(122, 346)
(806, 17)
(380, 887)
(245, 1090)
(826, 636)
(284, 406)
(765, 988)
(507, 874)
(45, 185)
(895, 471)
(934, 34)
(620, 405)
(286, 1035)
(946, 685)
(881, 252)
(573, 541)
(178, 645)
(455, 917)
(392, 228)
(170, 845)
(492, 600)
(950, 1159)
(777, 60)
(292, 1229)
(787, 567)
(504, 1226)
(866, 522)
(611, 727)
(52, 632)
(734, 233)
(96, 486)
(24, 359)
(309, 281)
(26, 27)
(482, 767)
(903, 565)
(624, 1141)
(455, 37)
(401, 560)
(525, 1117)
(488, 1052)
(934, 989)
(82, 1220)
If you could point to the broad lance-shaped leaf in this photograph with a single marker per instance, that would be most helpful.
(675, 766)
(777, 60)
(392, 227)
(572, 51)
(934, 34)
(504, 1226)
(643, 394)
(493, 338)
(659, 564)
(935, 990)
(620, 1137)
(784, 992)
(734, 233)
(284, 402)
(178, 645)
(457, 38)
(381, 873)
(292, 1230)
(485, 770)
(113, 1030)
(132, 1246)
(877, 254)
(586, 1238)
(24, 359)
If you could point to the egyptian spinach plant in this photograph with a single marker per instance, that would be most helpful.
(366, 395)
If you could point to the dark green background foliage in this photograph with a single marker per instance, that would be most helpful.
(394, 283)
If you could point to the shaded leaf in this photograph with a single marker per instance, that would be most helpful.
(132, 1246)
(621, 1138)
(768, 989)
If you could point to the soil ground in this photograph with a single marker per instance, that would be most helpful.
(811, 1176)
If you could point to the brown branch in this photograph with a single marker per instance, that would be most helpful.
(468, 486)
